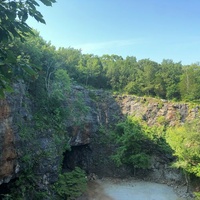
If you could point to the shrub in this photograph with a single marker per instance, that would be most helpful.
(71, 185)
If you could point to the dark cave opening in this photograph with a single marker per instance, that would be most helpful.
(78, 156)
(5, 189)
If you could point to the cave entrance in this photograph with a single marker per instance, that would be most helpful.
(78, 156)
(5, 189)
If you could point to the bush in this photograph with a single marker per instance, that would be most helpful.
(71, 185)
(131, 140)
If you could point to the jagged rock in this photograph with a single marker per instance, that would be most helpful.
(103, 110)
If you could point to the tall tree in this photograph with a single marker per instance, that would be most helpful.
(170, 73)
(13, 24)
(190, 82)
(146, 76)
(185, 141)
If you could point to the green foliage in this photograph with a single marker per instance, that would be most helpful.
(185, 141)
(190, 82)
(197, 195)
(131, 141)
(14, 15)
(137, 142)
(71, 184)
(13, 18)
(49, 118)
(26, 187)
(61, 85)
(156, 134)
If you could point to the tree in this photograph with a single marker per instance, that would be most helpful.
(111, 66)
(132, 142)
(190, 82)
(185, 142)
(170, 74)
(146, 76)
(13, 24)
(69, 59)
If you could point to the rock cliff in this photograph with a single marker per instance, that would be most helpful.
(89, 148)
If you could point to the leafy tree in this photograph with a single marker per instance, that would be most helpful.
(190, 82)
(170, 73)
(91, 71)
(13, 24)
(131, 140)
(69, 59)
(146, 76)
(185, 141)
(61, 84)
(70, 185)
(112, 66)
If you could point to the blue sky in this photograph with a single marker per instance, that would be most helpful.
(154, 29)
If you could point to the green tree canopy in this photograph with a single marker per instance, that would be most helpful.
(185, 141)
(13, 24)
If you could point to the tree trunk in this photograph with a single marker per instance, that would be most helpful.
(187, 179)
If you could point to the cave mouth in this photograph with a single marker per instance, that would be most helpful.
(78, 156)
(5, 189)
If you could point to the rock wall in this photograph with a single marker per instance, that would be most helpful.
(90, 149)
(23, 147)
(7, 140)
(105, 111)
(157, 111)
(11, 111)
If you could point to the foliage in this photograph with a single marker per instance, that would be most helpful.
(185, 141)
(197, 195)
(49, 117)
(190, 82)
(14, 15)
(137, 142)
(26, 187)
(35, 57)
(71, 184)
(131, 141)
(60, 87)
(13, 18)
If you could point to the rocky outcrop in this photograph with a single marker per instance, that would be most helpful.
(105, 111)
(157, 111)
(7, 148)
(11, 112)
(90, 112)
(21, 145)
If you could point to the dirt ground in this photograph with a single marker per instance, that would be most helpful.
(115, 189)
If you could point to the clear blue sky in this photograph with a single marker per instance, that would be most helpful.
(154, 29)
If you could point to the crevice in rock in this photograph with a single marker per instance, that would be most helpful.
(78, 156)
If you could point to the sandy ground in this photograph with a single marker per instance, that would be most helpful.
(116, 189)
(138, 190)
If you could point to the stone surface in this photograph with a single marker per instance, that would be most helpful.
(92, 110)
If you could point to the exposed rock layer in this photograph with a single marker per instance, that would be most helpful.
(104, 110)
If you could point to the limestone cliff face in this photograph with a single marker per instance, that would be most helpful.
(155, 111)
(11, 111)
(7, 140)
(101, 110)
(106, 110)
(21, 146)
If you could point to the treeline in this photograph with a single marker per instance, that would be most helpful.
(167, 80)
